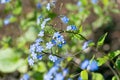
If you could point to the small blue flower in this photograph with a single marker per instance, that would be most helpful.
(65, 19)
(59, 76)
(60, 45)
(94, 1)
(32, 48)
(4, 1)
(93, 66)
(79, 3)
(85, 45)
(39, 57)
(56, 34)
(52, 58)
(48, 6)
(53, 41)
(65, 72)
(38, 19)
(25, 77)
(39, 40)
(7, 20)
(79, 78)
(49, 45)
(44, 23)
(34, 55)
(41, 33)
(84, 64)
(71, 27)
(39, 48)
(30, 61)
(38, 5)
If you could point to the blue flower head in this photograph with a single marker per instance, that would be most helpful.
(84, 64)
(30, 61)
(94, 1)
(25, 77)
(65, 19)
(85, 45)
(52, 58)
(38, 5)
(4, 1)
(79, 78)
(39, 57)
(93, 66)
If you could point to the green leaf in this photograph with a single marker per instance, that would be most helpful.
(101, 40)
(97, 76)
(105, 2)
(71, 7)
(114, 78)
(98, 10)
(80, 29)
(17, 10)
(113, 54)
(9, 60)
(102, 60)
(41, 67)
(118, 63)
(84, 75)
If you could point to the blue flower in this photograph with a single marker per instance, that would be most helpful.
(53, 41)
(84, 64)
(38, 5)
(30, 61)
(44, 23)
(89, 65)
(59, 76)
(48, 6)
(49, 45)
(85, 45)
(71, 27)
(34, 55)
(39, 40)
(41, 33)
(93, 66)
(25, 77)
(65, 19)
(56, 34)
(39, 57)
(32, 48)
(7, 20)
(4, 1)
(94, 1)
(38, 19)
(39, 49)
(79, 3)
(79, 78)
(52, 58)
(65, 72)
(60, 45)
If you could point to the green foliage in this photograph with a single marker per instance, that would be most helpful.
(113, 54)
(84, 75)
(118, 63)
(10, 60)
(102, 60)
(101, 40)
(97, 76)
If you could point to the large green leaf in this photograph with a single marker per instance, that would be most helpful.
(9, 60)
(97, 76)
(84, 75)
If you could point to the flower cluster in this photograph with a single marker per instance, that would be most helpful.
(89, 65)
(54, 74)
